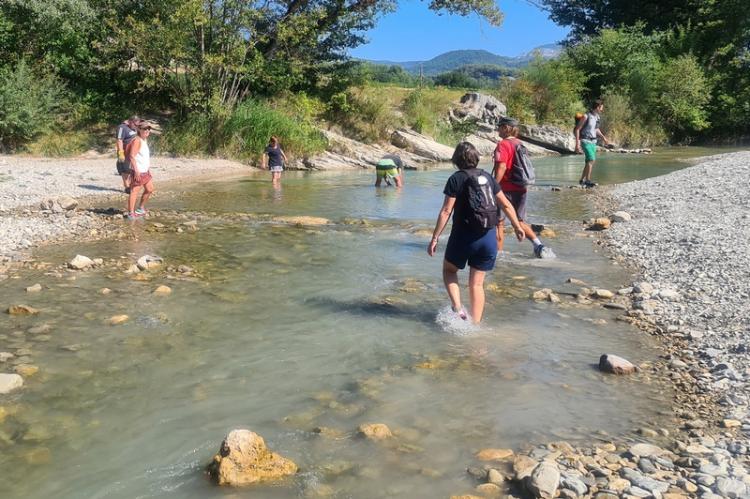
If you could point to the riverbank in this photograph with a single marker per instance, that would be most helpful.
(26, 182)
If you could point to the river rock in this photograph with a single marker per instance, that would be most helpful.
(117, 319)
(646, 450)
(149, 262)
(375, 431)
(10, 382)
(638, 479)
(163, 290)
(600, 224)
(613, 364)
(67, 203)
(303, 220)
(544, 480)
(523, 466)
(727, 487)
(244, 459)
(34, 289)
(6, 356)
(421, 145)
(494, 454)
(549, 137)
(488, 490)
(644, 287)
(22, 310)
(80, 262)
(494, 476)
(603, 294)
(26, 370)
(620, 216)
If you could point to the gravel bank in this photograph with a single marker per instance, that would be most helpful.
(26, 182)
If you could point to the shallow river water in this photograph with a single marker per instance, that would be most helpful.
(283, 329)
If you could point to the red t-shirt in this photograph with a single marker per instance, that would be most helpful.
(505, 152)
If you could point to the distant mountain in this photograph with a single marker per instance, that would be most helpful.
(458, 58)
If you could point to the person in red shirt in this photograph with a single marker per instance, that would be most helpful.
(516, 194)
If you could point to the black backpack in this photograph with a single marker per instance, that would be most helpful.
(522, 173)
(481, 209)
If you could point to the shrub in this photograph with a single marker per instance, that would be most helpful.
(29, 104)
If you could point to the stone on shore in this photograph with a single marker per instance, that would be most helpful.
(478, 107)
(603, 294)
(244, 459)
(375, 431)
(10, 382)
(80, 262)
(613, 364)
(67, 203)
(620, 216)
(421, 144)
(544, 480)
(494, 454)
(600, 224)
(147, 262)
(646, 450)
(22, 310)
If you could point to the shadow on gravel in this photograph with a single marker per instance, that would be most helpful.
(98, 188)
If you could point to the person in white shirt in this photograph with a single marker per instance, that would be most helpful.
(139, 158)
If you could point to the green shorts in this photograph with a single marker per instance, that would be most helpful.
(589, 150)
(390, 172)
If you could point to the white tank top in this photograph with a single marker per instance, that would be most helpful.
(143, 158)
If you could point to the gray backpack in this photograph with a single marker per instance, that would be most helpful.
(522, 173)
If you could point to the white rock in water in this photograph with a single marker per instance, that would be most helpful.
(609, 363)
(646, 450)
(604, 294)
(620, 216)
(544, 480)
(80, 262)
(10, 382)
(149, 262)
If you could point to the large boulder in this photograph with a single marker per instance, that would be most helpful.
(478, 107)
(421, 145)
(486, 144)
(244, 459)
(549, 137)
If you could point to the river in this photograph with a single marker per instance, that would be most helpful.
(283, 329)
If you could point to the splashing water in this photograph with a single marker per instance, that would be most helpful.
(450, 322)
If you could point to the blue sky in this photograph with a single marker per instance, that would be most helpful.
(414, 33)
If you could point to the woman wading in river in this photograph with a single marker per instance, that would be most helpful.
(473, 196)
(274, 159)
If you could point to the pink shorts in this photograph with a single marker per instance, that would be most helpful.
(145, 179)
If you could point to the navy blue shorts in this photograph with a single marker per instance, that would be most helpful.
(480, 250)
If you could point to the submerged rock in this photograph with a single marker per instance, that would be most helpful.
(117, 319)
(303, 220)
(375, 431)
(244, 459)
(10, 382)
(163, 290)
(494, 454)
(22, 310)
(149, 262)
(613, 364)
(34, 289)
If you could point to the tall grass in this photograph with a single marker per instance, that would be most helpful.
(242, 133)
(426, 111)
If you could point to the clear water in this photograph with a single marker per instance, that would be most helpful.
(292, 328)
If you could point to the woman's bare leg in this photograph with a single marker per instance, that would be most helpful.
(476, 293)
(450, 279)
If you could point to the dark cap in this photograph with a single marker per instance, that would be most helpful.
(505, 120)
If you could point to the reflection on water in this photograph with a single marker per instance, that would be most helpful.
(287, 329)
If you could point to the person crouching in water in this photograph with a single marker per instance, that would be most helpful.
(139, 158)
(274, 159)
(389, 169)
(473, 196)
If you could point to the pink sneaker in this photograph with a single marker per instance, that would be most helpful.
(461, 313)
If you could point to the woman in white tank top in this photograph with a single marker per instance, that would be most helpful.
(140, 160)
